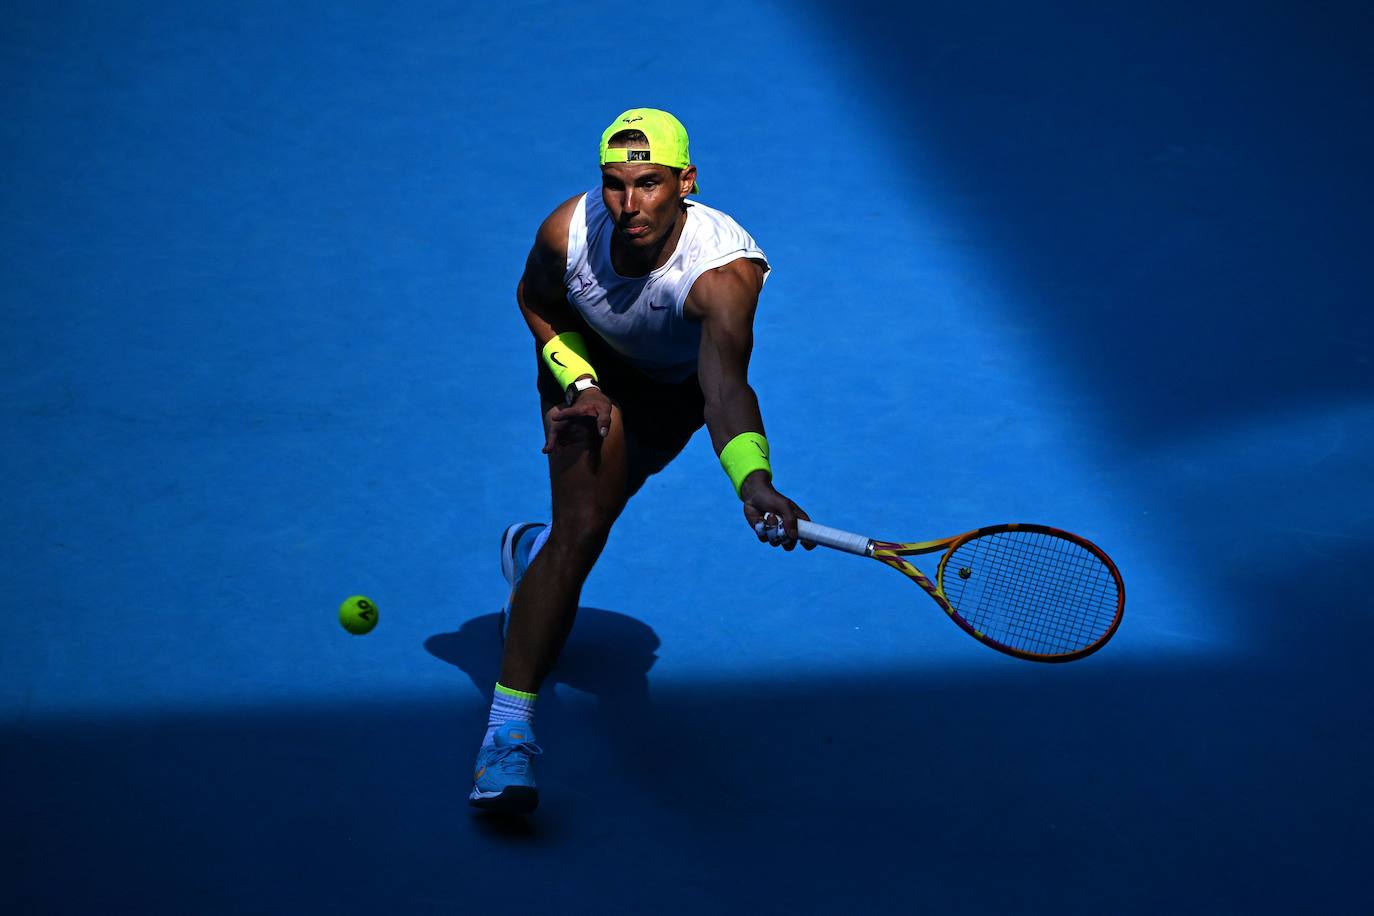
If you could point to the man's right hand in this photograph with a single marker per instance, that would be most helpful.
(763, 504)
(571, 425)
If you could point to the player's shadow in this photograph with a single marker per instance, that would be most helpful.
(606, 661)
(608, 655)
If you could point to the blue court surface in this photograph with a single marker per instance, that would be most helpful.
(1099, 266)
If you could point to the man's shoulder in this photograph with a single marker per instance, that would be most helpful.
(731, 288)
(549, 254)
(740, 274)
(552, 237)
(723, 228)
(564, 211)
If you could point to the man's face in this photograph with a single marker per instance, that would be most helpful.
(644, 200)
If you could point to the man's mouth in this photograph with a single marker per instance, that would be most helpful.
(636, 231)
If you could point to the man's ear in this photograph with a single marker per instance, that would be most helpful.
(686, 180)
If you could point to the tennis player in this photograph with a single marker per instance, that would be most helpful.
(642, 305)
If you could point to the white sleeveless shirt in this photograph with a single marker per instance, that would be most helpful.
(641, 317)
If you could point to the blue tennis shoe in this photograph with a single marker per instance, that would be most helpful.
(503, 780)
(515, 559)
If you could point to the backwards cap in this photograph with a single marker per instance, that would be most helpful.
(667, 140)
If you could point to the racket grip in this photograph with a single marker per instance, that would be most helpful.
(833, 538)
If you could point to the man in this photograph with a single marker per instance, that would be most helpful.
(642, 308)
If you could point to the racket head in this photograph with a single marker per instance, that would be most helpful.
(1031, 591)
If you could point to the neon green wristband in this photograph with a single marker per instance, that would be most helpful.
(743, 455)
(566, 357)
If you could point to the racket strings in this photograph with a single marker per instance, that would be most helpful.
(1032, 591)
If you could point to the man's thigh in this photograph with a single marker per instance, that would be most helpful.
(588, 478)
(658, 420)
(658, 429)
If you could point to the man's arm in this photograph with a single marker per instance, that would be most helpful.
(540, 293)
(544, 304)
(724, 301)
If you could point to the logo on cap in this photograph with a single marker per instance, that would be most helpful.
(637, 155)
(632, 120)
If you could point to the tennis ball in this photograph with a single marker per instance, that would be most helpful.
(358, 615)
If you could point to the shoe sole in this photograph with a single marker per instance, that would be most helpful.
(509, 538)
(511, 800)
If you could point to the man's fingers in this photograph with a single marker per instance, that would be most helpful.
(559, 424)
(775, 528)
(564, 414)
(755, 519)
(786, 522)
(779, 526)
(787, 529)
(598, 411)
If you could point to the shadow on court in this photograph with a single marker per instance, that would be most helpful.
(1179, 194)
(1073, 788)
(608, 658)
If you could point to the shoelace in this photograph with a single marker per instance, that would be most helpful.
(508, 761)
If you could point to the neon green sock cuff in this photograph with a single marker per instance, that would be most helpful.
(518, 694)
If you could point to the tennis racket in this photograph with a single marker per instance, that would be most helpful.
(1030, 591)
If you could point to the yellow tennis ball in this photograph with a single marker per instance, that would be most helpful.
(358, 615)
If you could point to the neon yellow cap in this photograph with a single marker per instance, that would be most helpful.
(667, 140)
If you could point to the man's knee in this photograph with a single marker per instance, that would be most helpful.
(580, 536)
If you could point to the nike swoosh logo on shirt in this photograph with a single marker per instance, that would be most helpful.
(657, 308)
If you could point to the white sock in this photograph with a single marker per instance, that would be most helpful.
(508, 706)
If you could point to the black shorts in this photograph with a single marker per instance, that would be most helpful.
(659, 417)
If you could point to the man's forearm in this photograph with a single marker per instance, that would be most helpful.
(735, 411)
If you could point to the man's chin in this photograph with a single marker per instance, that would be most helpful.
(638, 241)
